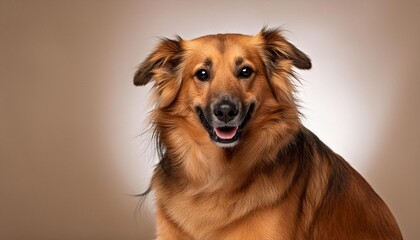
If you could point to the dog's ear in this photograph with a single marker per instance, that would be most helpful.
(277, 48)
(279, 56)
(162, 67)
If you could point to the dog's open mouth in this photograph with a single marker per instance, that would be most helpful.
(226, 132)
(225, 136)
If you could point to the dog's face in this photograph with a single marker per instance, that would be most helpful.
(223, 82)
(222, 70)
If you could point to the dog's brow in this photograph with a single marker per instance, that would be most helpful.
(239, 61)
(208, 62)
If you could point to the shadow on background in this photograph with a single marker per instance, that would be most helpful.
(400, 143)
(65, 135)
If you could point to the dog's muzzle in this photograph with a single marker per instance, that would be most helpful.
(225, 121)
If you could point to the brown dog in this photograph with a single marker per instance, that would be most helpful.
(236, 162)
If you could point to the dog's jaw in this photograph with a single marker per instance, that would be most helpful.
(227, 145)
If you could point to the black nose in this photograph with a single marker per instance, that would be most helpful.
(225, 111)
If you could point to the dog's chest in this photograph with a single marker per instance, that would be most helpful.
(204, 211)
(224, 216)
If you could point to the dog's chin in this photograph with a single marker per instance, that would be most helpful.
(227, 145)
(225, 136)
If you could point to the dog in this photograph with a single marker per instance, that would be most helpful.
(235, 160)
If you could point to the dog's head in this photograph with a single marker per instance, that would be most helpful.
(224, 83)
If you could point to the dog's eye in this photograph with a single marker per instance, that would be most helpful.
(202, 75)
(245, 72)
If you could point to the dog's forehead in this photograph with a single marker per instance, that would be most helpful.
(221, 45)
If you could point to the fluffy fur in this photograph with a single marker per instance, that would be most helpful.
(278, 180)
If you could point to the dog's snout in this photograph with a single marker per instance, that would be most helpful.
(225, 111)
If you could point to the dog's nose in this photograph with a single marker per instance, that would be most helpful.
(225, 111)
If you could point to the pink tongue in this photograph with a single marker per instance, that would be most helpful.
(226, 135)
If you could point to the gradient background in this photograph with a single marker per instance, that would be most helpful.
(71, 149)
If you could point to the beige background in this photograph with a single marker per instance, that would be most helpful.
(71, 148)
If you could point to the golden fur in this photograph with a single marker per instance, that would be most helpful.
(279, 181)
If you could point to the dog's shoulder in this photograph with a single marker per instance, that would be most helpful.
(348, 200)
